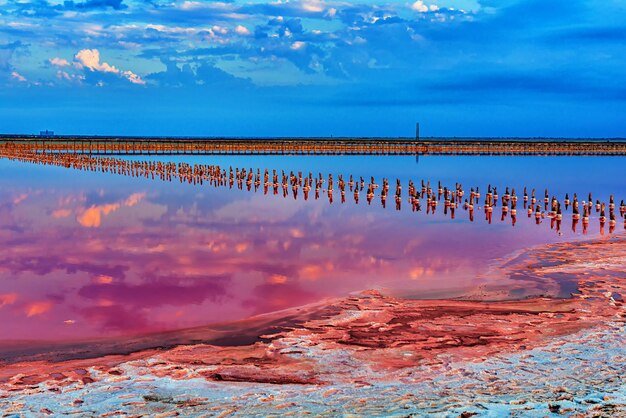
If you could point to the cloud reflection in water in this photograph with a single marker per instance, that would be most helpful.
(148, 256)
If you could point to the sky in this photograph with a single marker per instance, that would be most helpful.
(551, 68)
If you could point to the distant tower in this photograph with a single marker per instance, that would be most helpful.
(417, 138)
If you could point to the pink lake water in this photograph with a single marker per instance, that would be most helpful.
(89, 255)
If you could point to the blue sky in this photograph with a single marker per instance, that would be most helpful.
(304, 68)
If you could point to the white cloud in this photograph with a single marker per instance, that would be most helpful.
(59, 62)
(19, 77)
(313, 6)
(72, 78)
(419, 6)
(242, 30)
(191, 5)
(178, 30)
(197, 5)
(133, 78)
(219, 29)
(129, 45)
(90, 58)
(298, 45)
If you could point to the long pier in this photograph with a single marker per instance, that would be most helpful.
(312, 146)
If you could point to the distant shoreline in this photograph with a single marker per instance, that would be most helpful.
(426, 139)
(94, 145)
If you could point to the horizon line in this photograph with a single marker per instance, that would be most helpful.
(52, 135)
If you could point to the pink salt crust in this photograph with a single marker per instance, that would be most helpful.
(387, 335)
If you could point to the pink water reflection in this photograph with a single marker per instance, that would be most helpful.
(145, 256)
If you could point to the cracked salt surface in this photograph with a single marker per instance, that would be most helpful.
(524, 384)
(579, 374)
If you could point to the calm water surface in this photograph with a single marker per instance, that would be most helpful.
(86, 255)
